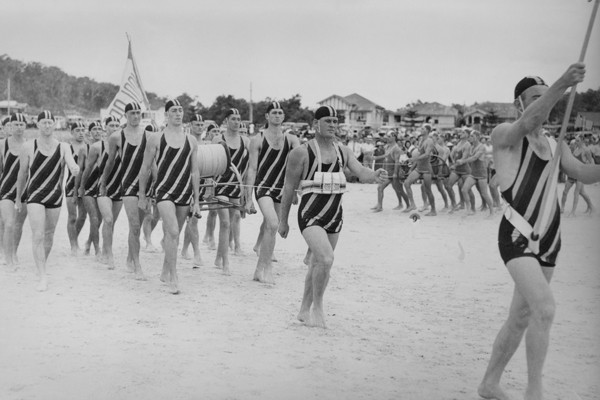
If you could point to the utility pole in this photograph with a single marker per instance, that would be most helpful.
(8, 89)
(251, 119)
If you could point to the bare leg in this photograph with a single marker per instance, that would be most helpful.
(173, 218)
(194, 240)
(72, 224)
(222, 258)
(43, 223)
(484, 191)
(412, 177)
(400, 193)
(563, 201)
(429, 194)
(264, 266)
(134, 216)
(235, 218)
(91, 207)
(322, 246)
(494, 191)
(109, 211)
(440, 187)
(532, 309)
(380, 188)
(8, 215)
(209, 235)
(148, 224)
(466, 194)
(259, 238)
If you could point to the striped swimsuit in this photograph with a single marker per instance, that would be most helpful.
(8, 182)
(525, 196)
(240, 158)
(70, 185)
(271, 170)
(132, 157)
(45, 178)
(324, 210)
(92, 185)
(174, 181)
(113, 181)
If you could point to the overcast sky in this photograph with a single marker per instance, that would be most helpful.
(391, 51)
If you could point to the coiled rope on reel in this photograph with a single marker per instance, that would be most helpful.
(213, 160)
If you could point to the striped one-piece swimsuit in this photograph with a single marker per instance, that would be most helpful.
(525, 196)
(45, 178)
(462, 169)
(227, 184)
(132, 157)
(270, 173)
(8, 182)
(174, 182)
(324, 210)
(92, 185)
(113, 181)
(70, 184)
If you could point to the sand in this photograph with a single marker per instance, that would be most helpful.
(410, 317)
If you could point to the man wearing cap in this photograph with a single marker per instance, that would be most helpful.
(191, 235)
(317, 167)
(129, 143)
(41, 166)
(89, 183)
(176, 185)
(522, 155)
(268, 159)
(75, 208)
(422, 169)
(12, 221)
(212, 130)
(109, 200)
(229, 188)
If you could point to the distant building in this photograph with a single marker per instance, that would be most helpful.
(489, 113)
(438, 115)
(13, 105)
(357, 110)
(588, 121)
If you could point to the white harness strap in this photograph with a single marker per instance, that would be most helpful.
(325, 182)
(521, 224)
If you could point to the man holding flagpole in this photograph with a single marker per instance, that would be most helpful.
(522, 156)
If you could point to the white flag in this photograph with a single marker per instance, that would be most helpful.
(131, 89)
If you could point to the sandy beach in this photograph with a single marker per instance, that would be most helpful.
(410, 316)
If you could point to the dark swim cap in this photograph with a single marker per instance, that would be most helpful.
(133, 106)
(526, 83)
(325, 111)
(17, 117)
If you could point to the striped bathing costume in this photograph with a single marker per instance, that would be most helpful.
(113, 181)
(174, 181)
(525, 197)
(45, 178)
(92, 185)
(478, 168)
(240, 158)
(70, 184)
(271, 170)
(324, 210)
(8, 182)
(132, 157)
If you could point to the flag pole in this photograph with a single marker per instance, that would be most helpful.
(554, 163)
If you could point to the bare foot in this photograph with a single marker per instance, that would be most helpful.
(75, 251)
(399, 207)
(197, 262)
(130, 267)
(185, 255)
(492, 392)
(409, 209)
(219, 262)
(239, 252)
(431, 214)
(303, 316)
(317, 319)
(226, 270)
(212, 245)
(258, 274)
(139, 275)
(42, 285)
(174, 287)
(424, 208)
(376, 210)
(268, 276)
